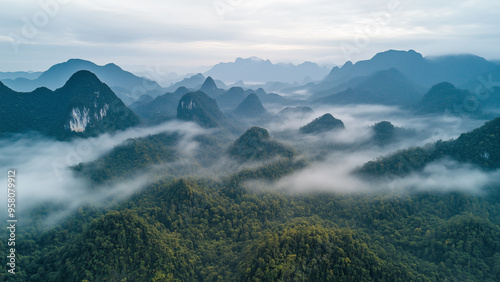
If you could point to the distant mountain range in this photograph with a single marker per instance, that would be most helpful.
(83, 107)
(460, 70)
(255, 70)
(126, 85)
(19, 74)
(393, 78)
(194, 82)
(423, 71)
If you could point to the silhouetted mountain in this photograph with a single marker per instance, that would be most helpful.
(409, 63)
(200, 108)
(425, 72)
(256, 145)
(126, 85)
(322, 124)
(298, 111)
(445, 97)
(163, 107)
(478, 147)
(353, 83)
(251, 108)
(384, 132)
(19, 74)
(458, 69)
(388, 87)
(84, 106)
(210, 88)
(194, 82)
(144, 99)
(272, 98)
(256, 70)
(231, 98)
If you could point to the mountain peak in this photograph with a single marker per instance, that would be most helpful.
(209, 84)
(250, 107)
(347, 65)
(79, 61)
(393, 54)
(256, 144)
(83, 76)
(181, 91)
(113, 66)
(322, 124)
(210, 88)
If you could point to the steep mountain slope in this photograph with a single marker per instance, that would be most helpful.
(256, 145)
(126, 85)
(251, 108)
(387, 87)
(84, 106)
(200, 108)
(322, 124)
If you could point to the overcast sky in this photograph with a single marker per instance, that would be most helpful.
(159, 33)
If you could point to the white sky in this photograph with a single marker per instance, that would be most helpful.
(190, 33)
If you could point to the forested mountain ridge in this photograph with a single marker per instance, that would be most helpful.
(322, 124)
(478, 147)
(256, 145)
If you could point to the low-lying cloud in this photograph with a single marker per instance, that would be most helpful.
(44, 173)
